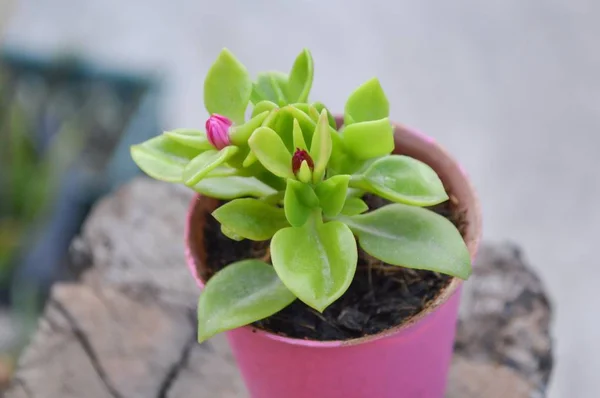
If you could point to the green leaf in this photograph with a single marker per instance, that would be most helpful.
(227, 87)
(355, 192)
(320, 149)
(263, 106)
(403, 179)
(271, 118)
(271, 152)
(314, 113)
(301, 78)
(236, 160)
(230, 234)
(297, 111)
(304, 174)
(302, 106)
(412, 237)
(233, 187)
(193, 138)
(223, 170)
(319, 106)
(340, 161)
(251, 218)
(354, 206)
(298, 136)
(332, 194)
(239, 294)
(239, 135)
(283, 125)
(305, 122)
(201, 165)
(256, 97)
(366, 103)
(274, 199)
(298, 202)
(162, 158)
(250, 160)
(270, 86)
(316, 262)
(368, 140)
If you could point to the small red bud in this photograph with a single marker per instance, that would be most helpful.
(299, 156)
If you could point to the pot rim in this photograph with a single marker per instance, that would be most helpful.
(472, 238)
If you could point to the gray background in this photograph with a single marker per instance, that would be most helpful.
(511, 87)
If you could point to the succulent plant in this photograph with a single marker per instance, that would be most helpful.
(288, 173)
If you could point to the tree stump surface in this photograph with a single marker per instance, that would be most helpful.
(127, 328)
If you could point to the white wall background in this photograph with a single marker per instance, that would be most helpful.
(511, 87)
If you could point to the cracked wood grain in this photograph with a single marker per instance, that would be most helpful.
(127, 329)
(87, 347)
(177, 368)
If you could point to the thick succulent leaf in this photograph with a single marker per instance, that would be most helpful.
(368, 102)
(304, 174)
(255, 96)
(354, 206)
(227, 87)
(203, 164)
(230, 234)
(321, 146)
(412, 237)
(340, 161)
(162, 158)
(251, 218)
(314, 113)
(271, 118)
(301, 78)
(271, 152)
(403, 179)
(239, 294)
(236, 160)
(271, 86)
(283, 125)
(302, 106)
(239, 135)
(306, 123)
(319, 106)
(332, 194)
(233, 187)
(355, 192)
(299, 142)
(316, 262)
(279, 83)
(368, 140)
(250, 159)
(263, 106)
(299, 202)
(193, 138)
(223, 170)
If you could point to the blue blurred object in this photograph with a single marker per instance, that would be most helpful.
(104, 163)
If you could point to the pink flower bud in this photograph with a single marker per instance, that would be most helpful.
(217, 131)
(299, 156)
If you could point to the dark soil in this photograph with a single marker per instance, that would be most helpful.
(381, 296)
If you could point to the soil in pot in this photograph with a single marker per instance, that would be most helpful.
(380, 297)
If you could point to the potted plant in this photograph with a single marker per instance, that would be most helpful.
(330, 249)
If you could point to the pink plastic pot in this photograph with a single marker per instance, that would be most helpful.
(409, 360)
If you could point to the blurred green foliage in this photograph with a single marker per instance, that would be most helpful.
(61, 122)
(28, 175)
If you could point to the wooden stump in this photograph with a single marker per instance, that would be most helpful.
(127, 329)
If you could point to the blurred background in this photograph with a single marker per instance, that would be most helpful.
(510, 87)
